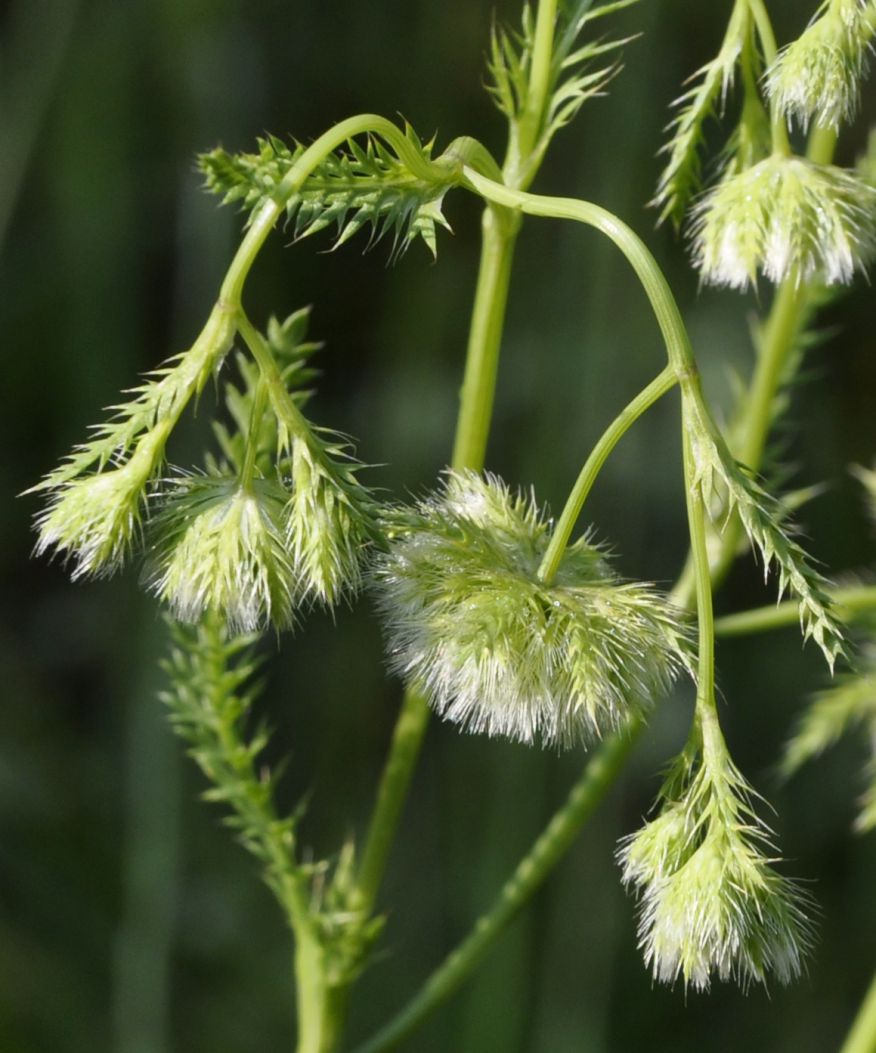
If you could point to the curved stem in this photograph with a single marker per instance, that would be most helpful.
(527, 877)
(849, 602)
(267, 215)
(862, 1037)
(662, 383)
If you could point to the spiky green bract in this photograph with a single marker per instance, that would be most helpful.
(221, 549)
(847, 707)
(329, 519)
(710, 85)
(711, 905)
(726, 487)
(579, 71)
(360, 186)
(786, 218)
(818, 76)
(499, 651)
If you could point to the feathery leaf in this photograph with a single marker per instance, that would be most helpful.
(359, 186)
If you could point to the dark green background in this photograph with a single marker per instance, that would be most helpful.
(129, 920)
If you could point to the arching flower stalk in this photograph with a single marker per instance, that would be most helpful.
(500, 651)
(786, 218)
(711, 904)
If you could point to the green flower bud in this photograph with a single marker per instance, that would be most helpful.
(785, 217)
(326, 523)
(499, 651)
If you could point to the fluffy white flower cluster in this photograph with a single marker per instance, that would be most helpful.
(500, 651)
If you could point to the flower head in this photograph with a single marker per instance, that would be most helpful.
(496, 649)
(221, 548)
(818, 76)
(327, 521)
(710, 903)
(787, 218)
(95, 519)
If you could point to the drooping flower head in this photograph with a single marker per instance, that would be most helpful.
(221, 548)
(327, 520)
(94, 520)
(818, 76)
(784, 217)
(498, 650)
(711, 904)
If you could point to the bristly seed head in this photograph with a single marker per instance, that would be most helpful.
(221, 548)
(711, 905)
(787, 218)
(499, 651)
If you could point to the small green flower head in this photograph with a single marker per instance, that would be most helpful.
(327, 529)
(710, 903)
(499, 651)
(221, 548)
(818, 76)
(94, 521)
(785, 217)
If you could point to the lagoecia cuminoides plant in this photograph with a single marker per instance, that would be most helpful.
(496, 616)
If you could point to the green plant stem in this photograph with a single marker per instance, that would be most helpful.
(849, 602)
(662, 383)
(767, 38)
(862, 1037)
(527, 877)
(539, 77)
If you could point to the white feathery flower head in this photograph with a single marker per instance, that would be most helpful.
(221, 548)
(711, 905)
(785, 217)
(818, 76)
(499, 651)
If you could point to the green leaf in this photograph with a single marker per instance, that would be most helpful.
(708, 90)
(577, 72)
(356, 187)
(726, 487)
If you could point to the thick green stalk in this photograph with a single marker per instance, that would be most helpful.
(848, 602)
(662, 383)
(862, 1037)
(515, 893)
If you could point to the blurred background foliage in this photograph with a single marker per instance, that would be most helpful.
(129, 920)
